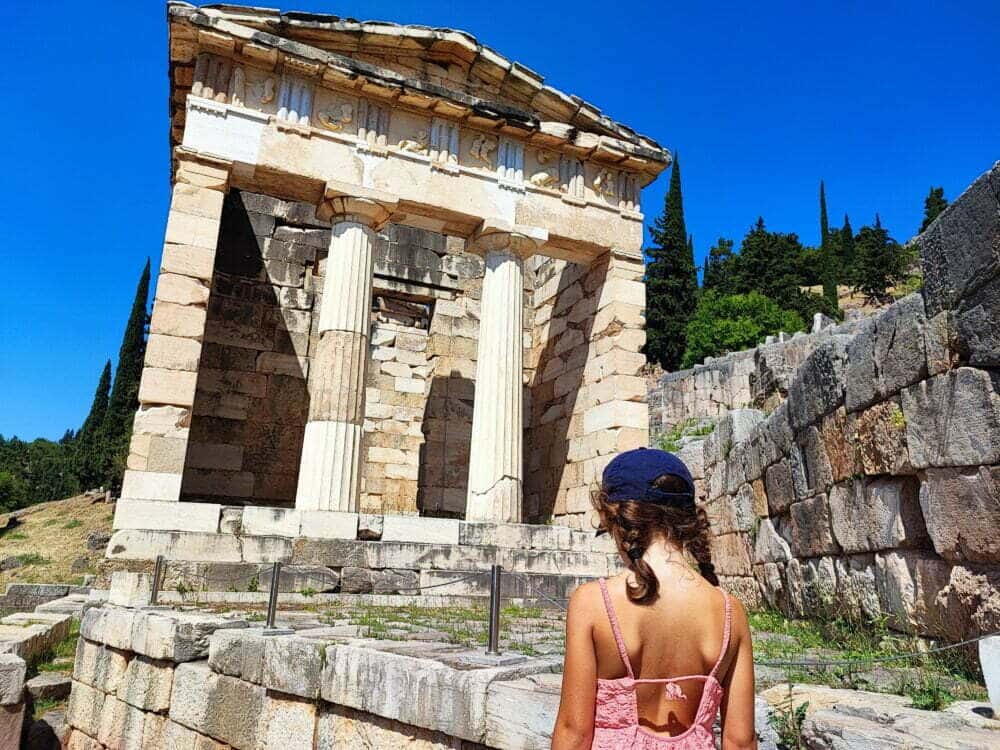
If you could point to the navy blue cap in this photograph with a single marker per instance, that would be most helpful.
(630, 476)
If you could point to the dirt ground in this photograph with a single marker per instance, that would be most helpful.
(50, 538)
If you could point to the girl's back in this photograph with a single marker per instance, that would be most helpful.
(679, 635)
(655, 654)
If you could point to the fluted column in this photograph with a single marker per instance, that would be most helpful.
(496, 460)
(330, 470)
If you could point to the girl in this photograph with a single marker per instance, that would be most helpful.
(654, 653)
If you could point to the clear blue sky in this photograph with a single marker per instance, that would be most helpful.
(881, 99)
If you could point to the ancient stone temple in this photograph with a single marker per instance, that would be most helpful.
(401, 287)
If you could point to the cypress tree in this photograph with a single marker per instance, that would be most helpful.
(671, 280)
(934, 204)
(88, 450)
(828, 271)
(824, 225)
(124, 400)
(847, 248)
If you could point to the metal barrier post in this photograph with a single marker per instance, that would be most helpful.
(493, 649)
(272, 599)
(157, 580)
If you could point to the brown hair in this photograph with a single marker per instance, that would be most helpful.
(633, 526)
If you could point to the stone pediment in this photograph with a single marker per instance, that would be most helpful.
(441, 70)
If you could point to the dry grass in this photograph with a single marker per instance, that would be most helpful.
(51, 537)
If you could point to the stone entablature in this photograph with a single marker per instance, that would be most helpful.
(585, 163)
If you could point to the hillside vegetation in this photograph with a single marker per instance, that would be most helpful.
(47, 543)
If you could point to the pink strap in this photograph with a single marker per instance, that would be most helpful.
(725, 635)
(613, 619)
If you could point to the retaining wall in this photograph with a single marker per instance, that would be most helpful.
(756, 378)
(874, 488)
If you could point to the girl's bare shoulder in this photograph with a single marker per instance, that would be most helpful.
(586, 601)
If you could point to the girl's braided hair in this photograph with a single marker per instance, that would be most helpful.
(634, 525)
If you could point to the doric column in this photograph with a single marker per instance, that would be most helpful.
(496, 458)
(330, 470)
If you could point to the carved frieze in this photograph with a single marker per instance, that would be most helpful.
(510, 162)
(269, 93)
(605, 184)
(482, 149)
(292, 99)
(548, 175)
(628, 192)
(571, 179)
(337, 116)
(211, 77)
(238, 87)
(419, 144)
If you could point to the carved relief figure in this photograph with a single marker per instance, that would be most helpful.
(546, 178)
(482, 148)
(604, 183)
(418, 145)
(268, 96)
(336, 116)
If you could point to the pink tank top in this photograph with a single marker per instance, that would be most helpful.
(616, 720)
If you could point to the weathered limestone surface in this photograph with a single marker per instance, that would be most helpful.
(313, 691)
(758, 377)
(859, 720)
(871, 489)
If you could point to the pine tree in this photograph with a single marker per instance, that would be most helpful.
(934, 204)
(718, 266)
(124, 400)
(880, 262)
(671, 280)
(828, 271)
(89, 453)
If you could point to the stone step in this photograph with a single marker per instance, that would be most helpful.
(550, 589)
(138, 545)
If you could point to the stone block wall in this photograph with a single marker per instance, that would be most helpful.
(587, 397)
(756, 378)
(874, 488)
(157, 679)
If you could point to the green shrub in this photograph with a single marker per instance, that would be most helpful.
(730, 323)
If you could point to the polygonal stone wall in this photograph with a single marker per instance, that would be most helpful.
(874, 488)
